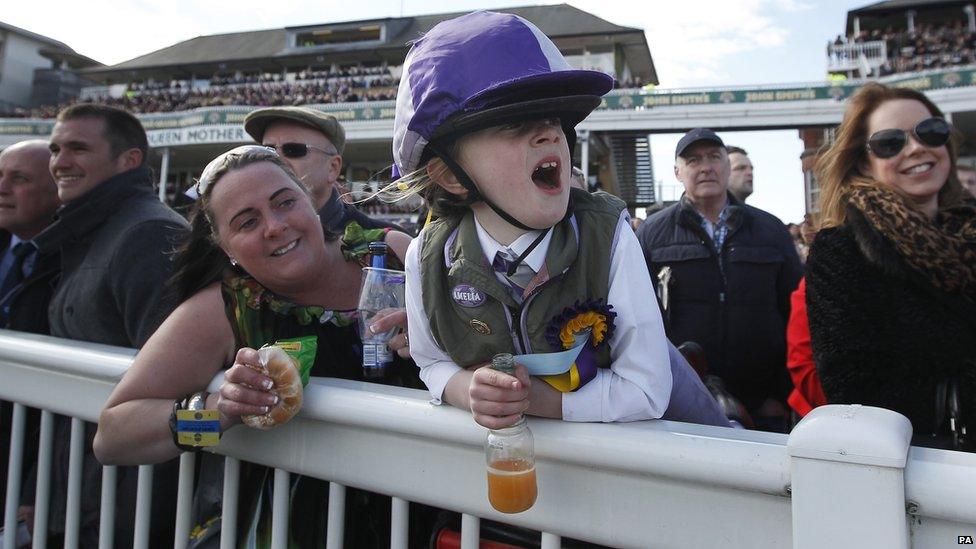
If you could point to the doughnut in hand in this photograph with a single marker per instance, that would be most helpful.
(283, 371)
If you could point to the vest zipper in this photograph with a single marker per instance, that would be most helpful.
(513, 323)
(517, 315)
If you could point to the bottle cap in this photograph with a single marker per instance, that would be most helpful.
(503, 362)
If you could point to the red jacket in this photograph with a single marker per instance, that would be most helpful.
(807, 393)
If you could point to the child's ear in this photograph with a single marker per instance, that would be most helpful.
(439, 173)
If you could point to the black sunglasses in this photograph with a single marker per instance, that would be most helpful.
(298, 150)
(931, 132)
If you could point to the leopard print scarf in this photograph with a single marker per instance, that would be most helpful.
(941, 250)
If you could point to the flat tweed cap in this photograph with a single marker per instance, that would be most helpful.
(256, 122)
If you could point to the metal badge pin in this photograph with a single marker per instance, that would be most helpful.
(480, 326)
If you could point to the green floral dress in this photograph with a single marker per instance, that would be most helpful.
(258, 316)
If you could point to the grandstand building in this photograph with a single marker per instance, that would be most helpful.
(206, 85)
(36, 70)
(925, 44)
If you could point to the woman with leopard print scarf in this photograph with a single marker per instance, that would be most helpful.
(891, 277)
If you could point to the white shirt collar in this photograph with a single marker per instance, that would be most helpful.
(491, 246)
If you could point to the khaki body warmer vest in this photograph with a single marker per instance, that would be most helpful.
(473, 316)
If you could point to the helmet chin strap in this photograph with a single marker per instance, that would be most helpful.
(474, 195)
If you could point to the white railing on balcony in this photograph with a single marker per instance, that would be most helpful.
(854, 56)
(844, 478)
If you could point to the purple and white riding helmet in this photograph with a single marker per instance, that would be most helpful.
(480, 70)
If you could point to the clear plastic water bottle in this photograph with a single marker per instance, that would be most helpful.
(510, 453)
(376, 355)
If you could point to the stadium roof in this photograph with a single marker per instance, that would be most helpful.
(568, 26)
(888, 11)
(54, 50)
(900, 5)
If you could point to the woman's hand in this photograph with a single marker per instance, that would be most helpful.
(387, 320)
(497, 399)
(245, 390)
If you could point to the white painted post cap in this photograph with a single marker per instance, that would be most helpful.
(852, 433)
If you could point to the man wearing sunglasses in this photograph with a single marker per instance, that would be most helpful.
(724, 271)
(311, 143)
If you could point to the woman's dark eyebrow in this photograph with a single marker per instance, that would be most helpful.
(270, 198)
(240, 213)
(279, 191)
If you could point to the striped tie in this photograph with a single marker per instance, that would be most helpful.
(520, 279)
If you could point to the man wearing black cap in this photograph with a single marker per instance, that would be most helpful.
(723, 272)
(311, 143)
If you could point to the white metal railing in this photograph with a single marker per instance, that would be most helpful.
(848, 57)
(845, 477)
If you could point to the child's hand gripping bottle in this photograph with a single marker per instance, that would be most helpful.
(511, 458)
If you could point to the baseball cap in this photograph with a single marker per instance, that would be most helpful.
(694, 136)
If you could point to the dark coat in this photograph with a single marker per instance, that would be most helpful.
(737, 313)
(336, 214)
(882, 335)
(28, 313)
(29, 300)
(115, 242)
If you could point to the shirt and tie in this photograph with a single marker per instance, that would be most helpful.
(17, 264)
(504, 256)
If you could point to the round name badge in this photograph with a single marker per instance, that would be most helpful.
(466, 295)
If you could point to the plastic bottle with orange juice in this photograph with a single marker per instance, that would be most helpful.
(511, 458)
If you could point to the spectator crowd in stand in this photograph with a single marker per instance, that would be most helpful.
(307, 87)
(927, 47)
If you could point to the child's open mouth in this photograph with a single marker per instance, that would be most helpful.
(546, 175)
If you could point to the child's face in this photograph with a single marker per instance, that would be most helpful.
(524, 168)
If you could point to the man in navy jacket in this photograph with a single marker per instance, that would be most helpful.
(723, 272)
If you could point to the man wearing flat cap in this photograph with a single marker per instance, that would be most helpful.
(724, 271)
(311, 142)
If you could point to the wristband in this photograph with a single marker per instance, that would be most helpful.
(193, 426)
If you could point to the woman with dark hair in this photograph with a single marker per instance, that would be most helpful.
(257, 269)
(891, 277)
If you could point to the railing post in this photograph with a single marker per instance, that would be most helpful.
(470, 531)
(336, 517)
(143, 507)
(15, 463)
(76, 448)
(228, 517)
(862, 450)
(399, 523)
(184, 500)
(42, 495)
(280, 509)
(106, 521)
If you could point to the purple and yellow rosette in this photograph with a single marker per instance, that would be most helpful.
(591, 319)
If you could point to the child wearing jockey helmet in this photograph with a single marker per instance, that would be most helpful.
(516, 262)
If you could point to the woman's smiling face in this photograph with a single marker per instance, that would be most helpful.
(267, 223)
(918, 171)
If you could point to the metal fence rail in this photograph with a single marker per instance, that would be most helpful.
(645, 484)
